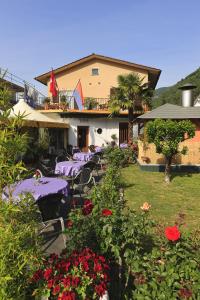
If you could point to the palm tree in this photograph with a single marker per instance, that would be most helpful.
(130, 92)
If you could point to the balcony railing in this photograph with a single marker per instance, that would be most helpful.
(90, 103)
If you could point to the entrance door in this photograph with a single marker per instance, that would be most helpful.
(123, 133)
(82, 137)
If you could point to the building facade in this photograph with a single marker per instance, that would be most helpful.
(98, 75)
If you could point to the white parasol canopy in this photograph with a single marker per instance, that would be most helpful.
(33, 118)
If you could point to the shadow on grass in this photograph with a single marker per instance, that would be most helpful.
(125, 185)
(174, 175)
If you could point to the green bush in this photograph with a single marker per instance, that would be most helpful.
(116, 156)
(19, 242)
(19, 247)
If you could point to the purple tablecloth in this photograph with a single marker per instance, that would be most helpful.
(45, 186)
(98, 149)
(123, 145)
(69, 168)
(75, 150)
(83, 156)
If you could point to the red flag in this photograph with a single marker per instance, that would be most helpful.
(53, 85)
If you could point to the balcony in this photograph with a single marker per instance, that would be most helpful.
(90, 104)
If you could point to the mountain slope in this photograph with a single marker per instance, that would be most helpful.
(173, 95)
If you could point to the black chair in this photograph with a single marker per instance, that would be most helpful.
(91, 148)
(82, 179)
(47, 171)
(97, 160)
(50, 208)
(61, 158)
(90, 164)
(69, 150)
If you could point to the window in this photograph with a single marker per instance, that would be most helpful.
(95, 72)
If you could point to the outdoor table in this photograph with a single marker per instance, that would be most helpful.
(69, 168)
(123, 145)
(98, 149)
(75, 150)
(39, 188)
(83, 156)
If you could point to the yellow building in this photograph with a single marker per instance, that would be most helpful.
(98, 75)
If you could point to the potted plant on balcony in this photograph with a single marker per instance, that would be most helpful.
(90, 103)
(46, 102)
(63, 102)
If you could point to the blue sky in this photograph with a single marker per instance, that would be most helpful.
(39, 34)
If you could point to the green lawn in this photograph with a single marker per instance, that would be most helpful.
(181, 195)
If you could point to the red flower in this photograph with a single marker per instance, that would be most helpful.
(106, 212)
(56, 290)
(50, 283)
(37, 276)
(69, 223)
(100, 289)
(172, 233)
(87, 207)
(66, 281)
(75, 281)
(67, 296)
(185, 293)
(97, 267)
(47, 273)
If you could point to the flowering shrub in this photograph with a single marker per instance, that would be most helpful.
(82, 275)
(146, 263)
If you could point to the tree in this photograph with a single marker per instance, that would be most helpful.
(166, 135)
(129, 94)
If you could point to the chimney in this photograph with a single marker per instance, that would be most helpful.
(186, 89)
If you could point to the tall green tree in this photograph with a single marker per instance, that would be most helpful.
(167, 135)
(129, 95)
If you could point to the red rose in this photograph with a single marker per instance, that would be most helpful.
(172, 233)
(69, 223)
(87, 207)
(106, 212)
